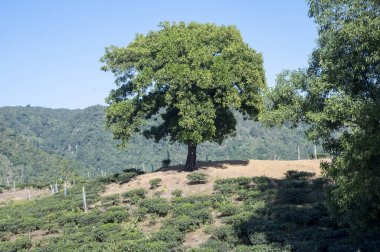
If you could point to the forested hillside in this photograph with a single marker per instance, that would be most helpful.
(40, 144)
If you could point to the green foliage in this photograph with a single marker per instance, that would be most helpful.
(298, 174)
(197, 178)
(293, 195)
(166, 162)
(229, 209)
(135, 195)
(215, 245)
(170, 235)
(258, 222)
(194, 86)
(338, 96)
(111, 200)
(177, 193)
(155, 205)
(15, 246)
(36, 140)
(225, 233)
(154, 183)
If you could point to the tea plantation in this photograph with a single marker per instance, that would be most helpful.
(243, 214)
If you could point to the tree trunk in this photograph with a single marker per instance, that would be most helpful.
(191, 161)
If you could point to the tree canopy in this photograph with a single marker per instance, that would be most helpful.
(194, 75)
(338, 95)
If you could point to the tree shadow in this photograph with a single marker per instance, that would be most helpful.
(285, 215)
(202, 165)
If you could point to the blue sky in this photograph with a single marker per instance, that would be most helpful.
(50, 50)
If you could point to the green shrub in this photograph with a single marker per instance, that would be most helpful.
(299, 215)
(225, 233)
(249, 194)
(293, 195)
(294, 183)
(5, 235)
(292, 174)
(142, 245)
(169, 235)
(155, 205)
(238, 218)
(232, 185)
(126, 177)
(111, 200)
(141, 213)
(166, 162)
(320, 183)
(135, 195)
(114, 215)
(15, 246)
(154, 183)
(197, 178)
(177, 193)
(225, 188)
(183, 223)
(218, 199)
(258, 238)
(229, 209)
(158, 194)
(258, 207)
(204, 200)
(216, 246)
(263, 248)
(106, 232)
(263, 183)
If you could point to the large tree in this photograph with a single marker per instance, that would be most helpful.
(339, 97)
(194, 75)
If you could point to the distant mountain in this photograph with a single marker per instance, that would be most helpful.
(41, 144)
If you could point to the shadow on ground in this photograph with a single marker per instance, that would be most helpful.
(201, 165)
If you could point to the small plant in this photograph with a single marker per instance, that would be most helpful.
(154, 183)
(158, 194)
(197, 178)
(229, 209)
(166, 162)
(177, 193)
(299, 174)
(155, 206)
(111, 200)
(135, 195)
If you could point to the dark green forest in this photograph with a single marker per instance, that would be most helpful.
(42, 145)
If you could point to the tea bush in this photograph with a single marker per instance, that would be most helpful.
(14, 246)
(292, 174)
(225, 233)
(293, 195)
(154, 183)
(155, 205)
(169, 235)
(229, 209)
(177, 193)
(135, 195)
(197, 178)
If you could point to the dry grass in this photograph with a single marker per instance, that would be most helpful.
(23, 194)
(174, 178)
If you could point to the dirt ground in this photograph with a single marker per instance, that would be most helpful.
(175, 178)
(22, 194)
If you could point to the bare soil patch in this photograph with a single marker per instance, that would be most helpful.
(174, 178)
(23, 194)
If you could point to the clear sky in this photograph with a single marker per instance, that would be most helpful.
(50, 50)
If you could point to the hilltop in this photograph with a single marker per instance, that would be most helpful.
(174, 178)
